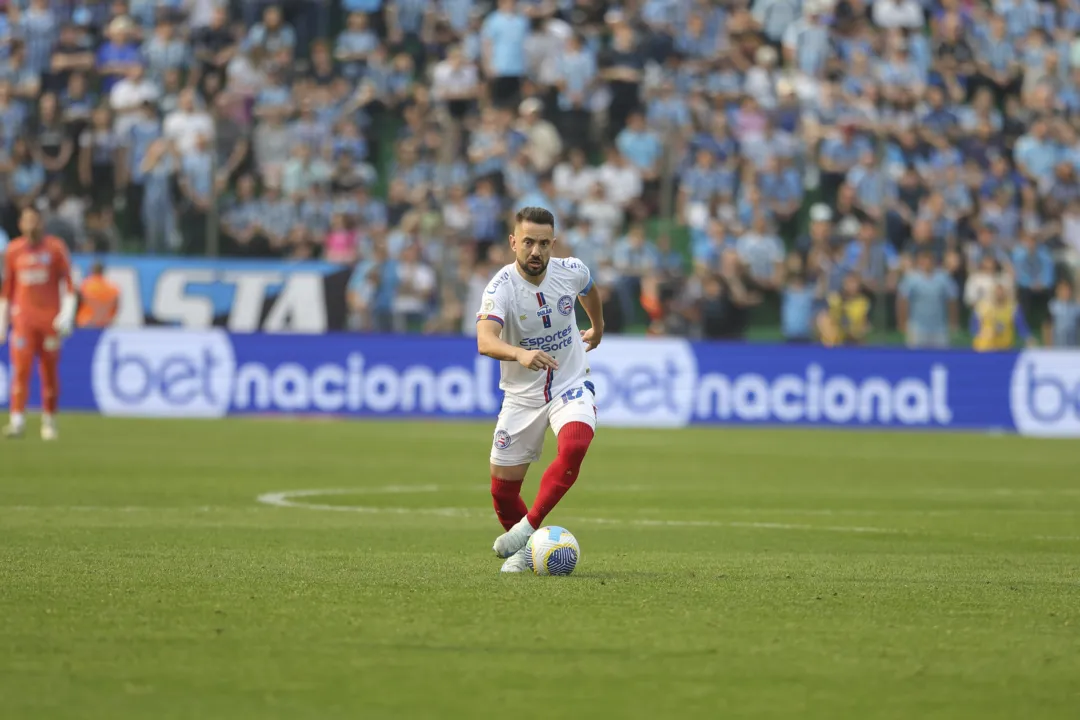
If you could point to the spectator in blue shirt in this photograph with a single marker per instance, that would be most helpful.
(641, 147)
(240, 222)
(1064, 325)
(709, 245)
(762, 253)
(634, 258)
(806, 41)
(870, 184)
(837, 157)
(873, 258)
(1035, 153)
(486, 211)
(164, 51)
(39, 29)
(1033, 266)
(354, 45)
(115, 57)
(272, 35)
(371, 292)
(996, 58)
(197, 188)
(927, 304)
(141, 135)
(26, 179)
(575, 80)
(668, 111)
(781, 185)
(503, 35)
(798, 301)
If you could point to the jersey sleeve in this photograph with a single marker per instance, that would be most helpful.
(582, 277)
(495, 304)
(62, 266)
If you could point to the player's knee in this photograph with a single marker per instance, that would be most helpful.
(574, 440)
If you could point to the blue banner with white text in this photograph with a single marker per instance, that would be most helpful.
(238, 295)
(642, 382)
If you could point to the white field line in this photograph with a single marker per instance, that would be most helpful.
(287, 499)
(293, 499)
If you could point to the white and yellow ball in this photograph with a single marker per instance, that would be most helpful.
(552, 550)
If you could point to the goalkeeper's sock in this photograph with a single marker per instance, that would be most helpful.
(48, 420)
(18, 421)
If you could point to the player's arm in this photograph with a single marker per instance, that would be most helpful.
(69, 300)
(489, 343)
(594, 308)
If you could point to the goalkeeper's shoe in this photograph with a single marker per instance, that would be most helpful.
(13, 431)
(48, 431)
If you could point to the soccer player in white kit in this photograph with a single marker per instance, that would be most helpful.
(527, 321)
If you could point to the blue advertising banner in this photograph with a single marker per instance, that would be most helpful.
(640, 382)
(239, 295)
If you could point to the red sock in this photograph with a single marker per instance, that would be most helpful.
(509, 506)
(574, 439)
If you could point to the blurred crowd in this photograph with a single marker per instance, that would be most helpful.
(834, 168)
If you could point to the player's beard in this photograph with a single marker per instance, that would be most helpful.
(532, 270)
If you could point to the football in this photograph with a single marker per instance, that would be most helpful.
(552, 550)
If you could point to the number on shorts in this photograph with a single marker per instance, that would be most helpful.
(572, 394)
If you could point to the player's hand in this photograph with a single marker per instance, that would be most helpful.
(591, 337)
(538, 360)
(62, 326)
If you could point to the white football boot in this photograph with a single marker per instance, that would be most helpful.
(516, 563)
(15, 429)
(514, 539)
(48, 429)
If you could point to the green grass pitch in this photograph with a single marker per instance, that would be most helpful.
(725, 573)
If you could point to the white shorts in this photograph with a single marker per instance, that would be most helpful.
(520, 430)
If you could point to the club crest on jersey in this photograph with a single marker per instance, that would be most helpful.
(502, 439)
(566, 305)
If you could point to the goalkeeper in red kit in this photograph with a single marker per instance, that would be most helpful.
(39, 303)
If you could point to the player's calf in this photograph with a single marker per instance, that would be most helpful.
(506, 497)
(574, 441)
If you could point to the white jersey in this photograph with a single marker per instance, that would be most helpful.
(540, 317)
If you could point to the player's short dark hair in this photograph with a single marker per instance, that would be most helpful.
(535, 215)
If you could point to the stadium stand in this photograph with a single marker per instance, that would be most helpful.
(800, 169)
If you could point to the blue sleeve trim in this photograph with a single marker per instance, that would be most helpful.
(587, 288)
(488, 316)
